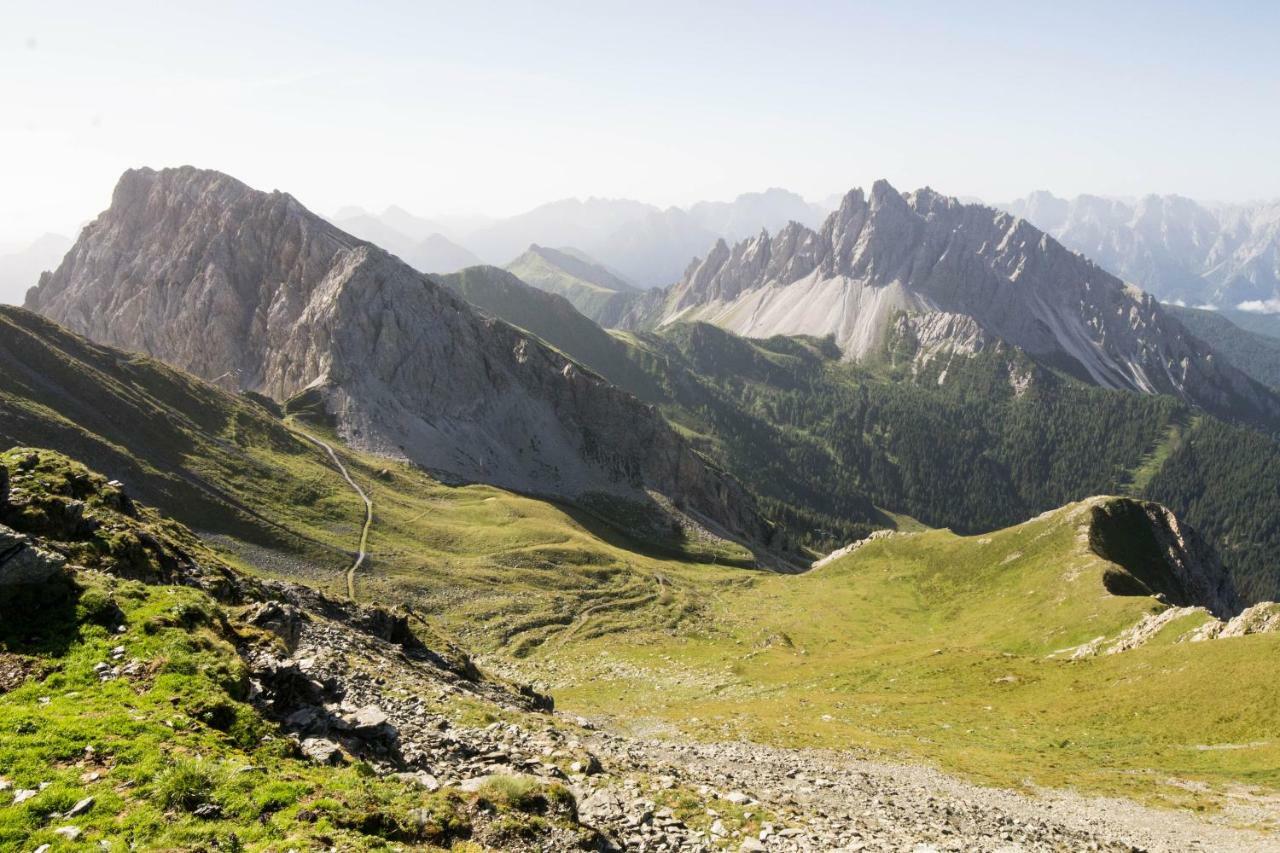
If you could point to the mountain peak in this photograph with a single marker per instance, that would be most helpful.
(927, 252)
(251, 290)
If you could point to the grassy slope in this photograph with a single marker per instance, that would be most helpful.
(216, 461)
(498, 293)
(174, 732)
(587, 295)
(835, 450)
(938, 645)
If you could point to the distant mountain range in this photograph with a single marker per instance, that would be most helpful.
(430, 252)
(21, 269)
(1224, 256)
(647, 245)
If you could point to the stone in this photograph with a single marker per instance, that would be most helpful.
(22, 795)
(80, 807)
(322, 751)
(24, 562)
(283, 620)
(422, 779)
(368, 720)
(71, 833)
(738, 798)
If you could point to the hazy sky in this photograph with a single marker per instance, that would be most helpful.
(496, 107)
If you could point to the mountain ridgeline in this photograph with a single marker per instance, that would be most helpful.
(252, 291)
(962, 274)
(593, 290)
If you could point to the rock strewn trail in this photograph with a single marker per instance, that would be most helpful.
(837, 801)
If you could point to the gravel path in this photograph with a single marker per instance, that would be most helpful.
(839, 801)
(368, 511)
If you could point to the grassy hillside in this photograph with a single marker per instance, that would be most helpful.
(956, 649)
(222, 463)
(928, 644)
(593, 290)
(834, 450)
(990, 441)
(498, 293)
(125, 703)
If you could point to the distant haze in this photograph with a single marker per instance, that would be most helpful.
(496, 108)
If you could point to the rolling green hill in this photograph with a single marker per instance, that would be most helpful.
(593, 290)
(498, 293)
(973, 651)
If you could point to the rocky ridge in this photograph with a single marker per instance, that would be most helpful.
(250, 290)
(883, 254)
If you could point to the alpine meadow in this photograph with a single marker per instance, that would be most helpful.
(834, 427)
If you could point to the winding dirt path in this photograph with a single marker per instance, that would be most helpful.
(368, 511)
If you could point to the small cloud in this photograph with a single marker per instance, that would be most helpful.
(1207, 307)
(1261, 306)
(1178, 303)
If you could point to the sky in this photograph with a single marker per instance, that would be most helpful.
(475, 107)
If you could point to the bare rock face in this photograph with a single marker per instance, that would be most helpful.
(250, 290)
(884, 254)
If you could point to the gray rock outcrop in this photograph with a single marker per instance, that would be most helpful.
(252, 291)
(24, 562)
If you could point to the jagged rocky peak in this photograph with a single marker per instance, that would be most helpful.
(882, 253)
(251, 289)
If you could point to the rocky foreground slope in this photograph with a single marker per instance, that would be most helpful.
(251, 290)
(885, 254)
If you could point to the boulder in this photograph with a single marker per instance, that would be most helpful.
(24, 562)
(322, 751)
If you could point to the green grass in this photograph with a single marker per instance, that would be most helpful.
(927, 645)
(1154, 461)
(942, 647)
(169, 749)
